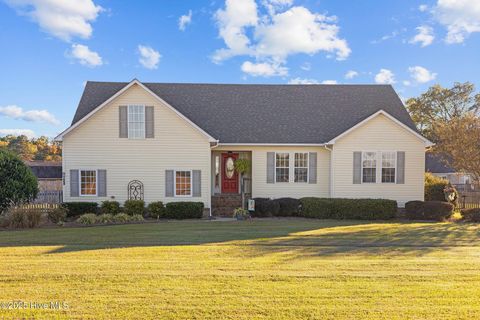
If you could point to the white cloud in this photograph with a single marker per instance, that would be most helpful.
(460, 17)
(185, 20)
(306, 66)
(422, 8)
(406, 83)
(18, 132)
(264, 69)
(232, 22)
(421, 74)
(385, 76)
(85, 56)
(351, 74)
(276, 35)
(329, 82)
(149, 57)
(424, 36)
(18, 113)
(60, 18)
(302, 81)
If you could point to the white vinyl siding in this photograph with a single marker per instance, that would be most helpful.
(177, 144)
(262, 189)
(379, 134)
(136, 122)
(88, 182)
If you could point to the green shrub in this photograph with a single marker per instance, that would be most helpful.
(111, 207)
(87, 219)
(184, 210)
(105, 218)
(438, 210)
(136, 218)
(265, 207)
(57, 215)
(157, 210)
(319, 208)
(23, 218)
(414, 210)
(434, 187)
(121, 218)
(287, 207)
(18, 184)
(471, 215)
(133, 207)
(356, 209)
(78, 208)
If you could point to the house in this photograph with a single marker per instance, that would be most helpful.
(437, 165)
(48, 173)
(179, 142)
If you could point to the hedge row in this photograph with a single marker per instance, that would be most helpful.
(357, 209)
(173, 210)
(323, 208)
(429, 210)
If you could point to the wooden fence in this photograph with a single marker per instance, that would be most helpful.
(40, 206)
(469, 200)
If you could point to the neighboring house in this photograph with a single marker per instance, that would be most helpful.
(437, 165)
(48, 173)
(178, 142)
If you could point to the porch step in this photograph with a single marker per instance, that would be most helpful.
(224, 204)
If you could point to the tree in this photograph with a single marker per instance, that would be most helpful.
(18, 184)
(440, 105)
(460, 139)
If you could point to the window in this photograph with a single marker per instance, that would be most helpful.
(136, 122)
(301, 167)
(88, 182)
(369, 167)
(282, 167)
(389, 163)
(183, 183)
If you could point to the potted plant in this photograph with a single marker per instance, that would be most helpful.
(241, 214)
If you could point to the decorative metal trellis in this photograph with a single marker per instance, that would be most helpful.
(135, 190)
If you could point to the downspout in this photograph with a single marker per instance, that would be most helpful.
(331, 169)
(213, 145)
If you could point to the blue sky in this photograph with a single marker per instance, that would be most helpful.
(50, 47)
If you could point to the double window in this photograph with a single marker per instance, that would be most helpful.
(300, 167)
(136, 122)
(370, 163)
(183, 183)
(88, 182)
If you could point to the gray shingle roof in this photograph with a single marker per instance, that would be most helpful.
(46, 169)
(265, 113)
(435, 163)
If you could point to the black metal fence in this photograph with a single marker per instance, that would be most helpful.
(50, 197)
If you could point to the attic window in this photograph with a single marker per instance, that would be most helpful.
(136, 122)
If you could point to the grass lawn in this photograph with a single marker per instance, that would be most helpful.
(265, 269)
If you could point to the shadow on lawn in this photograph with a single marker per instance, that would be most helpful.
(297, 237)
(386, 239)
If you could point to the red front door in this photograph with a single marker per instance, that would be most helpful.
(229, 175)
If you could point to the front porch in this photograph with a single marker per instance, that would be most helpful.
(230, 189)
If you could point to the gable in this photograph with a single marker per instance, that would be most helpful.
(381, 128)
(132, 93)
